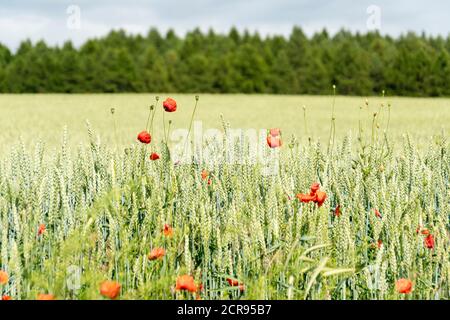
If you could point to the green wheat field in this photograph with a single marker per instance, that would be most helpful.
(81, 203)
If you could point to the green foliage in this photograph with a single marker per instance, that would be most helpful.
(410, 65)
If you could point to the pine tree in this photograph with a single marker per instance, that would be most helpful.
(360, 64)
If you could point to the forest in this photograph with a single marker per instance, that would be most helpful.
(235, 62)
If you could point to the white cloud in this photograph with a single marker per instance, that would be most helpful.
(47, 18)
(22, 26)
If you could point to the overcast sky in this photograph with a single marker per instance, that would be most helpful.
(49, 19)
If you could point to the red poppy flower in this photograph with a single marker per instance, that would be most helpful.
(337, 211)
(305, 198)
(379, 244)
(378, 214)
(156, 253)
(315, 195)
(144, 137)
(41, 229)
(422, 230)
(186, 282)
(403, 286)
(4, 298)
(170, 105)
(320, 198)
(235, 283)
(209, 182)
(429, 241)
(110, 289)
(314, 188)
(3, 277)
(45, 297)
(275, 132)
(167, 230)
(274, 141)
(154, 156)
(204, 174)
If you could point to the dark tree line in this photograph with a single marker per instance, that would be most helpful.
(359, 64)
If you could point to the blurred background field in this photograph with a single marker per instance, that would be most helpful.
(43, 117)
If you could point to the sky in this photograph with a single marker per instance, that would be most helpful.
(56, 21)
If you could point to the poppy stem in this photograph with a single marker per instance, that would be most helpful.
(359, 123)
(154, 112)
(381, 123)
(190, 125)
(332, 129)
(389, 117)
(148, 118)
(334, 100)
(304, 119)
(164, 127)
(168, 129)
(373, 127)
(334, 132)
(381, 109)
(113, 110)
